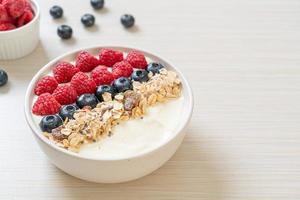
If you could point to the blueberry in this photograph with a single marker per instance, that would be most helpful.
(3, 77)
(127, 20)
(122, 84)
(140, 75)
(154, 67)
(64, 31)
(50, 122)
(67, 111)
(102, 89)
(88, 20)
(97, 4)
(87, 100)
(56, 12)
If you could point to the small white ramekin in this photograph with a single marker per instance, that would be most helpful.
(109, 170)
(21, 41)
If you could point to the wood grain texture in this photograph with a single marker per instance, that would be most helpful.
(242, 59)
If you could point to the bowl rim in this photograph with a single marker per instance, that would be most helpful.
(36, 17)
(32, 125)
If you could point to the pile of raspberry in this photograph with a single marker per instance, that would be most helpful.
(14, 14)
(69, 81)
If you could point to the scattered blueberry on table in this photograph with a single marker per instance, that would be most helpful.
(3, 77)
(127, 20)
(154, 67)
(102, 89)
(50, 122)
(88, 20)
(64, 32)
(97, 4)
(122, 84)
(140, 75)
(87, 100)
(56, 12)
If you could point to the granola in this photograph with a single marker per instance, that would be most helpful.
(91, 125)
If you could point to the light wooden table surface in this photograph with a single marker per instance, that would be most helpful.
(242, 59)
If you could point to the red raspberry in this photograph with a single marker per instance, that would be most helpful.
(122, 68)
(64, 71)
(102, 76)
(137, 59)
(46, 104)
(28, 6)
(45, 85)
(101, 67)
(82, 84)
(86, 62)
(15, 8)
(25, 18)
(7, 27)
(65, 94)
(4, 17)
(109, 57)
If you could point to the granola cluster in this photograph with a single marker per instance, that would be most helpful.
(91, 125)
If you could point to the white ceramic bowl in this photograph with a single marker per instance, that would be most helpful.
(109, 170)
(21, 41)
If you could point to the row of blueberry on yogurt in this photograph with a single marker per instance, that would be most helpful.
(120, 85)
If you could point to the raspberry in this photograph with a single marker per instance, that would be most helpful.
(4, 17)
(25, 18)
(82, 84)
(45, 85)
(65, 94)
(7, 27)
(46, 104)
(64, 71)
(122, 69)
(137, 59)
(102, 76)
(28, 6)
(86, 62)
(15, 8)
(101, 67)
(109, 57)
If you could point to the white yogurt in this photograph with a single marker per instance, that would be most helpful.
(139, 135)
